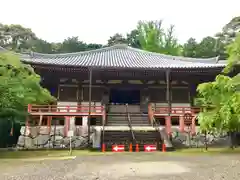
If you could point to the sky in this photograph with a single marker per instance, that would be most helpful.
(94, 21)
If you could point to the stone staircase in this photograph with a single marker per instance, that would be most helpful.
(118, 116)
(121, 120)
(148, 137)
(124, 137)
(112, 137)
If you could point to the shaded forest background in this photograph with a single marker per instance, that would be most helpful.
(148, 35)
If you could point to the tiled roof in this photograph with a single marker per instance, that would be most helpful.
(120, 56)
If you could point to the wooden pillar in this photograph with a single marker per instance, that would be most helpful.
(168, 118)
(40, 120)
(66, 123)
(181, 123)
(194, 125)
(67, 120)
(90, 104)
(168, 124)
(29, 107)
(49, 122)
(150, 113)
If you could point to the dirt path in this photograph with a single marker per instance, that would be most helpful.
(128, 166)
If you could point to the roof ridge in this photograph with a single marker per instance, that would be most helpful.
(116, 46)
(171, 56)
(119, 46)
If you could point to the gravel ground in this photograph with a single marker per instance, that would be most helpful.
(150, 166)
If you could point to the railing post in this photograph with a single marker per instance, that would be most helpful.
(49, 120)
(150, 113)
(29, 107)
(103, 115)
(181, 123)
(168, 124)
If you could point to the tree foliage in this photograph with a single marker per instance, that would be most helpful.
(230, 30)
(148, 35)
(221, 98)
(19, 86)
(133, 39)
(153, 38)
(233, 50)
(221, 103)
(116, 39)
(15, 37)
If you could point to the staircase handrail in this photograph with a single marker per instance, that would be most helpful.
(129, 123)
(156, 125)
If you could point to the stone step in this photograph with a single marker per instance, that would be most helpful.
(121, 120)
(125, 137)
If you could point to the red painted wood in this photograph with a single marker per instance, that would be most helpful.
(181, 123)
(63, 109)
(168, 124)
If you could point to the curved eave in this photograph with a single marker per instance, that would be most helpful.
(76, 69)
(120, 57)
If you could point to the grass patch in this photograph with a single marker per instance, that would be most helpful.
(209, 151)
(65, 153)
(47, 153)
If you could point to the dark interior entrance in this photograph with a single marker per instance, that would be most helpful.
(125, 96)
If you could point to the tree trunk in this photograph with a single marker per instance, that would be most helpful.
(54, 136)
(231, 134)
(39, 124)
(205, 141)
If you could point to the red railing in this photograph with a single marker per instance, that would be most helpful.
(60, 109)
(175, 110)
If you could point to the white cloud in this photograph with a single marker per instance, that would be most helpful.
(95, 20)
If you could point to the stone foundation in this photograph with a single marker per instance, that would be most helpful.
(185, 139)
(39, 137)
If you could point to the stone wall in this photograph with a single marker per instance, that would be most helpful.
(185, 139)
(39, 137)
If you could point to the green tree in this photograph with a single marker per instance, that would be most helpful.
(93, 46)
(19, 86)
(133, 39)
(15, 37)
(41, 46)
(72, 44)
(221, 98)
(190, 48)
(117, 39)
(230, 30)
(207, 48)
(153, 38)
(233, 50)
